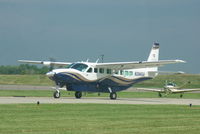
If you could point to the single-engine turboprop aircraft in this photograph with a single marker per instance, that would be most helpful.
(170, 88)
(104, 77)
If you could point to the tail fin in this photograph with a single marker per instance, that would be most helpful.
(154, 54)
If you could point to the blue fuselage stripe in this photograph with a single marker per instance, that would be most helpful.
(77, 84)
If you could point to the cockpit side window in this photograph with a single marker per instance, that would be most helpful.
(89, 70)
(79, 66)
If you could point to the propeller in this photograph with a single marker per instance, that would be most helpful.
(49, 63)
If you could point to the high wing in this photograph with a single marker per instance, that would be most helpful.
(151, 89)
(137, 65)
(185, 90)
(46, 63)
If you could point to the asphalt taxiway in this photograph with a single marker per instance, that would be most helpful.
(29, 87)
(97, 100)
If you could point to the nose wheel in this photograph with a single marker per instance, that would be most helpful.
(56, 94)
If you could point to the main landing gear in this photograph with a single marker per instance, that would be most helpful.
(181, 95)
(113, 96)
(159, 94)
(78, 94)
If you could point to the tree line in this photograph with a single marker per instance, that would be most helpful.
(23, 69)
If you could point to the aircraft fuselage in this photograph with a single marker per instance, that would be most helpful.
(86, 77)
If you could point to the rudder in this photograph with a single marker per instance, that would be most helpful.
(154, 54)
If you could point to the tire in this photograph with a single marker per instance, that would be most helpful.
(159, 94)
(113, 96)
(78, 94)
(56, 94)
(181, 96)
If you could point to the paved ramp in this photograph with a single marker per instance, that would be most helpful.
(99, 100)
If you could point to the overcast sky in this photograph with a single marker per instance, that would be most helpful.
(122, 30)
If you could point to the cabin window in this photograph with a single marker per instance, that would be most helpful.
(121, 72)
(130, 73)
(89, 70)
(109, 71)
(116, 72)
(101, 70)
(96, 70)
(126, 73)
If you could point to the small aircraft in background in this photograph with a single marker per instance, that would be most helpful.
(104, 77)
(170, 88)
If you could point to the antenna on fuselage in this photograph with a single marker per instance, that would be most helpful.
(87, 60)
(102, 58)
(97, 60)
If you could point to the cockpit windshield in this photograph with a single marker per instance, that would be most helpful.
(171, 84)
(78, 66)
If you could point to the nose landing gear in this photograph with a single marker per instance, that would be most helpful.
(56, 94)
(58, 86)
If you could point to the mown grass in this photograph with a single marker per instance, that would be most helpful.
(159, 81)
(40, 80)
(49, 93)
(98, 119)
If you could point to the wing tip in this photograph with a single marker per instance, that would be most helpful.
(22, 60)
(180, 61)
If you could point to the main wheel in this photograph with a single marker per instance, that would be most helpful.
(113, 96)
(78, 94)
(56, 94)
(159, 94)
(181, 95)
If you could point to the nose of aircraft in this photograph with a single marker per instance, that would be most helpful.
(50, 74)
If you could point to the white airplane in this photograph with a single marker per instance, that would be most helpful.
(170, 88)
(104, 77)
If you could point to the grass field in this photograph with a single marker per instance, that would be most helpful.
(159, 81)
(41, 80)
(49, 93)
(99, 119)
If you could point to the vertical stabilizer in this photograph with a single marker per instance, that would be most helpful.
(154, 54)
